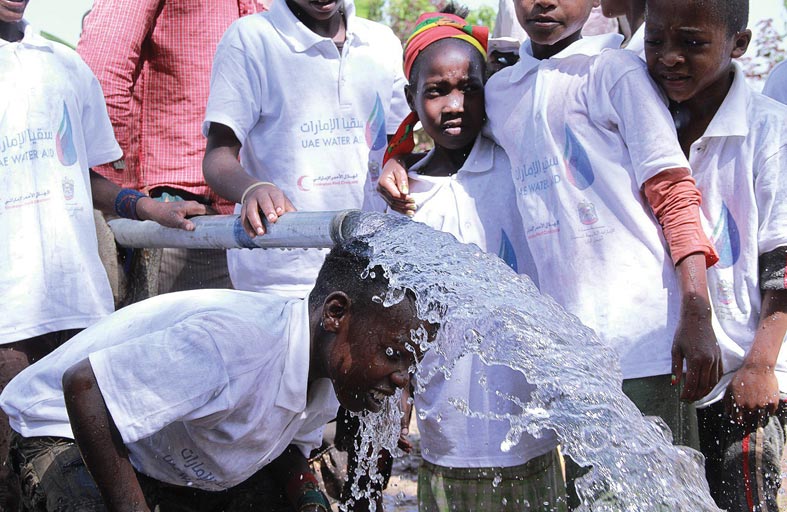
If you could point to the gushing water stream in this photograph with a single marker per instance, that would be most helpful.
(483, 307)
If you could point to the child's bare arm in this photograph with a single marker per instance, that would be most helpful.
(694, 338)
(394, 186)
(172, 215)
(224, 173)
(754, 390)
(99, 441)
(675, 200)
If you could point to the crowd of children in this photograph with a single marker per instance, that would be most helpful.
(641, 187)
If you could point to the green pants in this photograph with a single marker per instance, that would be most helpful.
(537, 485)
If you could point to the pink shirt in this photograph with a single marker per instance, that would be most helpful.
(153, 59)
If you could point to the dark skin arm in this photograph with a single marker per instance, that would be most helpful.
(288, 465)
(394, 185)
(99, 441)
(753, 394)
(224, 173)
(172, 215)
(694, 338)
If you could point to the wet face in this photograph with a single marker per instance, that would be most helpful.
(549, 21)
(317, 10)
(372, 354)
(689, 51)
(11, 11)
(448, 93)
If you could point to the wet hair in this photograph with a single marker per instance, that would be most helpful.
(345, 269)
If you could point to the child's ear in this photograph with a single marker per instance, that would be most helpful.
(742, 40)
(409, 95)
(335, 311)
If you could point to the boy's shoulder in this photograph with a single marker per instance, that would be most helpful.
(614, 63)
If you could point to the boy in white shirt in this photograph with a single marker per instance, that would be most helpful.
(736, 141)
(306, 94)
(53, 128)
(463, 187)
(209, 399)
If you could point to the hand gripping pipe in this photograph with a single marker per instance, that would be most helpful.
(292, 230)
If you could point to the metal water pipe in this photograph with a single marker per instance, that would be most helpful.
(292, 230)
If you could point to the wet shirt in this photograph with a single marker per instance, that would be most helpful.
(739, 164)
(475, 205)
(153, 60)
(206, 387)
(584, 130)
(311, 120)
(53, 128)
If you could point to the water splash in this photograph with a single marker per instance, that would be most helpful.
(485, 308)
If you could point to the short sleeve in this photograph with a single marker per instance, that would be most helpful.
(624, 96)
(169, 375)
(238, 84)
(770, 190)
(99, 135)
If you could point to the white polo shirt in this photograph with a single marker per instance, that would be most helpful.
(776, 85)
(584, 130)
(739, 164)
(53, 128)
(475, 205)
(310, 120)
(636, 43)
(206, 387)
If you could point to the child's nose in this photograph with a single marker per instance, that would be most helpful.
(456, 102)
(671, 57)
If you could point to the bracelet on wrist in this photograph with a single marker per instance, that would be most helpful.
(252, 187)
(126, 203)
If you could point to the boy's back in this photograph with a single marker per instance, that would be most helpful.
(223, 396)
(584, 130)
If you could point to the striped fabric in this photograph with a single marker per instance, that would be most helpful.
(153, 59)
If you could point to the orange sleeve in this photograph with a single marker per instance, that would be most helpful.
(675, 200)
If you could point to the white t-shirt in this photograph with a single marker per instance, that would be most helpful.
(206, 387)
(776, 85)
(474, 205)
(739, 164)
(311, 121)
(53, 128)
(584, 130)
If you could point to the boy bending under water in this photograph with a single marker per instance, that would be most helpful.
(208, 400)
(736, 141)
(463, 186)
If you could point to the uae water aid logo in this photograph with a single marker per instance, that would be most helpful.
(66, 151)
(376, 138)
(579, 173)
(726, 238)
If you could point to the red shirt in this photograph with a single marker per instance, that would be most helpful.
(153, 59)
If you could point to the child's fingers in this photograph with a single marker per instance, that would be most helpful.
(677, 365)
(252, 221)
